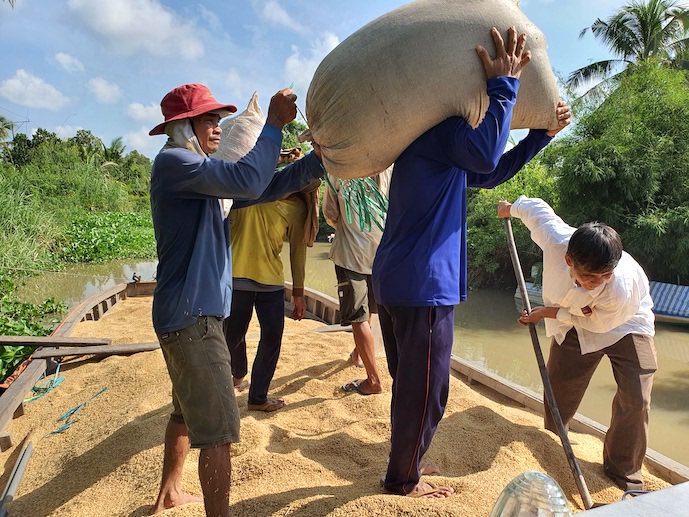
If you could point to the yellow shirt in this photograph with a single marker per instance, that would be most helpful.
(257, 235)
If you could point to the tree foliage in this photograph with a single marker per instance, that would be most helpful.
(638, 32)
(489, 260)
(289, 136)
(627, 164)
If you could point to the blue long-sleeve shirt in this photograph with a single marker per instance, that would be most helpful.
(422, 257)
(194, 275)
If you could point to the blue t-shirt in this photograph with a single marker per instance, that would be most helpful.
(194, 275)
(421, 259)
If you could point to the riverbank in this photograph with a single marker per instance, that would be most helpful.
(322, 455)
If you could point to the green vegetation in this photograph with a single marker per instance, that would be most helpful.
(489, 258)
(24, 319)
(637, 32)
(627, 164)
(64, 201)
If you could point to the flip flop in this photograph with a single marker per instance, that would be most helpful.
(354, 387)
(268, 406)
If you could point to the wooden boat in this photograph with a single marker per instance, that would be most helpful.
(325, 309)
(670, 301)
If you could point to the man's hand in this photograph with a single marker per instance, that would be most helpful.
(504, 209)
(510, 60)
(299, 310)
(282, 109)
(564, 116)
(537, 314)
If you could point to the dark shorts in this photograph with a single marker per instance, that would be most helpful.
(198, 362)
(355, 292)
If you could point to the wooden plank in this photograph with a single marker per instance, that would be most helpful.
(14, 396)
(129, 348)
(140, 288)
(5, 441)
(52, 341)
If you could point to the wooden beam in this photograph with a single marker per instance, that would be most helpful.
(15, 394)
(52, 341)
(128, 348)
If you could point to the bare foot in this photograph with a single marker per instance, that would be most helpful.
(427, 468)
(239, 385)
(428, 490)
(355, 359)
(170, 500)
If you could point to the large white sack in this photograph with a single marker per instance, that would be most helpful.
(239, 136)
(412, 68)
(240, 133)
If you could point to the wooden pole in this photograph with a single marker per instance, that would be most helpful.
(547, 387)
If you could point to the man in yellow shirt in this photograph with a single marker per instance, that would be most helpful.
(257, 236)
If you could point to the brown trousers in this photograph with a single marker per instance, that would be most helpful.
(633, 360)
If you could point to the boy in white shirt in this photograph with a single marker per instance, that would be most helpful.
(597, 302)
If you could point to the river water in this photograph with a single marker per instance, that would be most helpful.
(486, 333)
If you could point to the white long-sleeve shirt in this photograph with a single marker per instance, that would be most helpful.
(620, 306)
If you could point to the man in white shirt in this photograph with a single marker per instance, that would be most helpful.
(597, 302)
(352, 251)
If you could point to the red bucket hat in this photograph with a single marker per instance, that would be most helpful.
(187, 101)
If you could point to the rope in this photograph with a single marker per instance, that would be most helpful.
(70, 416)
(46, 386)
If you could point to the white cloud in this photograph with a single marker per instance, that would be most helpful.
(25, 89)
(273, 13)
(131, 26)
(69, 63)
(105, 92)
(234, 82)
(300, 68)
(212, 19)
(150, 113)
(142, 142)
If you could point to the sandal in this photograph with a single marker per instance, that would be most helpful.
(268, 406)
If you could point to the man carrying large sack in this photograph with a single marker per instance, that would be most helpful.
(419, 272)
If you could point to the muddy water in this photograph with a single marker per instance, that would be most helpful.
(486, 333)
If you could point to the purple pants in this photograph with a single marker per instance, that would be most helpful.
(418, 346)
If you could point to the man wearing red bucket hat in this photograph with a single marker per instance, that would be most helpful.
(194, 276)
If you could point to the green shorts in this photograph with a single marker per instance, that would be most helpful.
(198, 362)
(356, 296)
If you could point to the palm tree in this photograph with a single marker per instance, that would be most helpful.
(115, 151)
(637, 32)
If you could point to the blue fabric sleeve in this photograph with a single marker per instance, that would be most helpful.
(512, 161)
(480, 149)
(291, 178)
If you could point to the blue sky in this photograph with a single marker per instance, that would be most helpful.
(104, 65)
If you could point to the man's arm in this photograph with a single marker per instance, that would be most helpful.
(297, 259)
(545, 225)
(512, 161)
